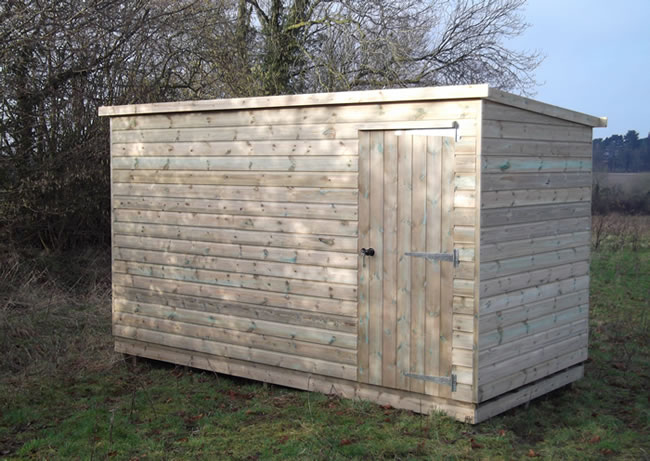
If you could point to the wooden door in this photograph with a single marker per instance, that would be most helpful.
(406, 187)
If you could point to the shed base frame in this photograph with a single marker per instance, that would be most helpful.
(419, 403)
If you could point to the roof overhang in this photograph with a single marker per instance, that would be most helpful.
(439, 93)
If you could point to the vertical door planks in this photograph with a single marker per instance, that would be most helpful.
(406, 190)
(418, 265)
(389, 330)
(446, 270)
(432, 292)
(364, 241)
(375, 264)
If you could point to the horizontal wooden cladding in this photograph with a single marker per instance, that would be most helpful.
(463, 322)
(463, 305)
(235, 323)
(330, 147)
(327, 259)
(278, 163)
(465, 163)
(491, 357)
(225, 278)
(298, 379)
(307, 132)
(505, 368)
(531, 246)
(510, 164)
(524, 147)
(294, 148)
(526, 328)
(199, 344)
(463, 358)
(540, 214)
(238, 295)
(509, 181)
(464, 199)
(506, 266)
(532, 294)
(250, 339)
(285, 225)
(527, 393)
(524, 313)
(516, 198)
(529, 279)
(463, 340)
(344, 98)
(534, 131)
(555, 227)
(238, 178)
(238, 207)
(238, 264)
(251, 312)
(503, 113)
(532, 373)
(464, 234)
(252, 193)
(512, 100)
(362, 113)
(239, 237)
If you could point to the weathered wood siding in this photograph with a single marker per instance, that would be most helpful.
(235, 233)
(534, 248)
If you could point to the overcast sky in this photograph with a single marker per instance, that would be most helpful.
(597, 58)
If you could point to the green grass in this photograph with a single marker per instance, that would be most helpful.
(91, 404)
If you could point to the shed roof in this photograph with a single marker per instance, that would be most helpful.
(438, 93)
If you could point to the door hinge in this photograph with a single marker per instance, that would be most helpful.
(453, 257)
(446, 380)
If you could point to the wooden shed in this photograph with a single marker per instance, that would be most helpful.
(424, 248)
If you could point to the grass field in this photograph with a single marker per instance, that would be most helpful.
(628, 183)
(65, 395)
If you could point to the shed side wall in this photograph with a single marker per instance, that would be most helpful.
(534, 250)
(235, 232)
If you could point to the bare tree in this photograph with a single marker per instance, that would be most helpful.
(275, 46)
(59, 62)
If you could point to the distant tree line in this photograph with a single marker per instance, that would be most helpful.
(62, 59)
(622, 153)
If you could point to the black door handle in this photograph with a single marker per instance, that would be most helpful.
(368, 251)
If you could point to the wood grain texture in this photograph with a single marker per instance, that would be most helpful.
(234, 310)
(363, 357)
(308, 195)
(535, 247)
(389, 315)
(418, 265)
(238, 178)
(347, 98)
(238, 207)
(376, 263)
(433, 308)
(404, 225)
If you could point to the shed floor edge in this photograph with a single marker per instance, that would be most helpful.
(528, 392)
(405, 400)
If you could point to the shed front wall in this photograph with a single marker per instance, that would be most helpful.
(235, 235)
(534, 249)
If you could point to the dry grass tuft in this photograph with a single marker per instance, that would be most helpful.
(54, 312)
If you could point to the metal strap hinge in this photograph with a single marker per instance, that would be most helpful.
(446, 380)
(453, 257)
